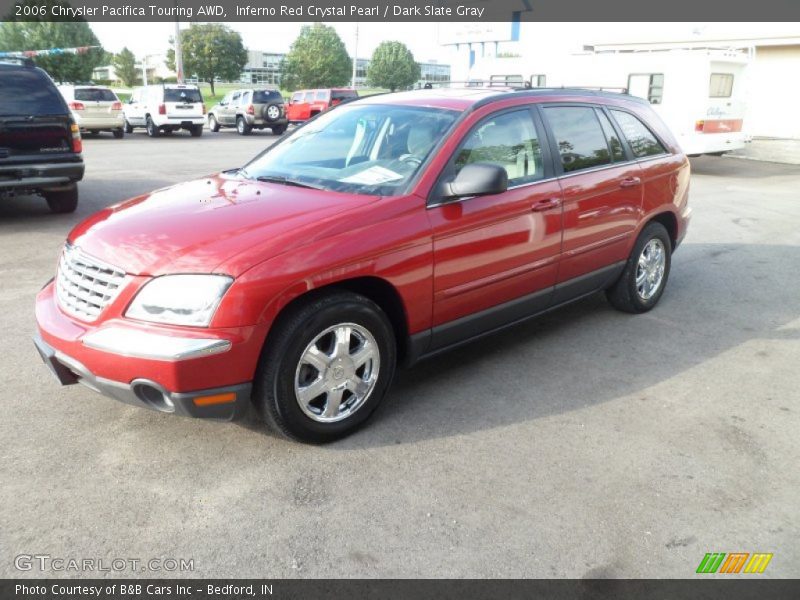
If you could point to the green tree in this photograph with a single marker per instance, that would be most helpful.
(392, 66)
(125, 66)
(317, 59)
(36, 34)
(211, 51)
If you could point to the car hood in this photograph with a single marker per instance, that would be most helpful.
(218, 224)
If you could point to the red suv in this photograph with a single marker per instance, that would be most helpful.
(306, 104)
(388, 230)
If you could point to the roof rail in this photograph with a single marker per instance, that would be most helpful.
(561, 91)
(24, 61)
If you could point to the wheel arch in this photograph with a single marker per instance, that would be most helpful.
(377, 289)
(670, 223)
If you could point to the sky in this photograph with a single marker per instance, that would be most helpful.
(423, 38)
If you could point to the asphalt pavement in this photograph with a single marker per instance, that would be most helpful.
(587, 443)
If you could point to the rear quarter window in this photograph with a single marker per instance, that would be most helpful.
(640, 138)
(29, 92)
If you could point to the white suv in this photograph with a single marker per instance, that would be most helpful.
(165, 108)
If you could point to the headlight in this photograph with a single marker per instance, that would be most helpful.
(180, 299)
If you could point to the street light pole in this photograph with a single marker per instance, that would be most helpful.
(178, 50)
(355, 59)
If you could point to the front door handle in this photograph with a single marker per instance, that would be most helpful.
(630, 182)
(546, 204)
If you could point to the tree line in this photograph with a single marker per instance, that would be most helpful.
(213, 52)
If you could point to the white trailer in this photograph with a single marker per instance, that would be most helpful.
(699, 93)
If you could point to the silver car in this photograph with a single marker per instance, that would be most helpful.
(249, 108)
(94, 108)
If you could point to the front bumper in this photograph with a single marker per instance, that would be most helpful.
(203, 373)
(222, 403)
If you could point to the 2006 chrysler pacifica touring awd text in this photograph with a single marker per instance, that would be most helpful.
(381, 232)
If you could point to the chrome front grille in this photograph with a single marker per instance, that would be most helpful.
(84, 285)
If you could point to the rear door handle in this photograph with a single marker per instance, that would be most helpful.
(546, 204)
(630, 182)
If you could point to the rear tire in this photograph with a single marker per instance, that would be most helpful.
(279, 130)
(118, 134)
(196, 130)
(363, 360)
(642, 283)
(242, 127)
(213, 124)
(62, 201)
(152, 130)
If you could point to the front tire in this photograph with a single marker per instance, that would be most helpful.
(128, 127)
(642, 283)
(213, 124)
(242, 127)
(62, 201)
(325, 368)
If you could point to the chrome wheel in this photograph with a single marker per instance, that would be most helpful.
(337, 373)
(650, 269)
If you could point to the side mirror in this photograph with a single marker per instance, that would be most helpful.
(477, 179)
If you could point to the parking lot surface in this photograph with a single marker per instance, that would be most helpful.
(587, 443)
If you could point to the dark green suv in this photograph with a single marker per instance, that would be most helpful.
(40, 144)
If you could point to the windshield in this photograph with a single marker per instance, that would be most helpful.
(182, 95)
(361, 149)
(95, 95)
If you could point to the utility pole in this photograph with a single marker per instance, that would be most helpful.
(178, 50)
(355, 59)
(144, 70)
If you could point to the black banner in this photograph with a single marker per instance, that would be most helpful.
(479, 11)
(733, 588)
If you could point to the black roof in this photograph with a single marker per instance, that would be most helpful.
(562, 91)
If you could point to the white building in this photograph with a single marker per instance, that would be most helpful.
(773, 80)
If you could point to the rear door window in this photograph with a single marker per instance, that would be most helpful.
(579, 136)
(180, 95)
(94, 95)
(29, 92)
(640, 138)
(322, 95)
(264, 96)
(343, 94)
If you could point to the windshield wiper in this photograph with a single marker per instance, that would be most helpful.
(286, 181)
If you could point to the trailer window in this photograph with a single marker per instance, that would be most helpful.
(647, 85)
(721, 85)
(641, 139)
(538, 81)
